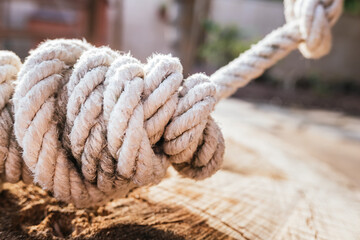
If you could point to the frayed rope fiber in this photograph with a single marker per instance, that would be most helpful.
(89, 124)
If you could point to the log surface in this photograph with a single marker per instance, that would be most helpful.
(288, 174)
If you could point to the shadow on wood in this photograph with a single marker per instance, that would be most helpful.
(281, 180)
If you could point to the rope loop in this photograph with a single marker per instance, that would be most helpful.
(89, 124)
(93, 123)
(315, 19)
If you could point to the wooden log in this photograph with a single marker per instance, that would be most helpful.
(281, 179)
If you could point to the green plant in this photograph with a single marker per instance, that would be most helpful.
(352, 6)
(222, 44)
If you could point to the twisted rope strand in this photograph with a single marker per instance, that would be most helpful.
(308, 28)
(89, 124)
(12, 168)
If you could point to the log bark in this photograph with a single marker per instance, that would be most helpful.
(287, 174)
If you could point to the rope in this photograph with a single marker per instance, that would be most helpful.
(308, 28)
(89, 124)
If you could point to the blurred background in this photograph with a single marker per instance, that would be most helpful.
(204, 34)
(292, 158)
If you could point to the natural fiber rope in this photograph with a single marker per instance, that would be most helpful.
(89, 124)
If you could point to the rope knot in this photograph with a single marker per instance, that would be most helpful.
(89, 124)
(315, 19)
(93, 123)
(192, 139)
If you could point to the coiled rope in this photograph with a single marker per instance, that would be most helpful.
(89, 124)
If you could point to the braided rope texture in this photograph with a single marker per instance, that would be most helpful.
(308, 28)
(89, 124)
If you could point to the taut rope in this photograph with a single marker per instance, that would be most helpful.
(89, 124)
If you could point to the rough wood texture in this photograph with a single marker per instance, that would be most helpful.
(287, 175)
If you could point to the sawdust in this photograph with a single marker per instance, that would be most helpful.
(27, 212)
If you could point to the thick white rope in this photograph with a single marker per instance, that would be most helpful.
(308, 28)
(89, 124)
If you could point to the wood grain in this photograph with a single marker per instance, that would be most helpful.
(288, 174)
